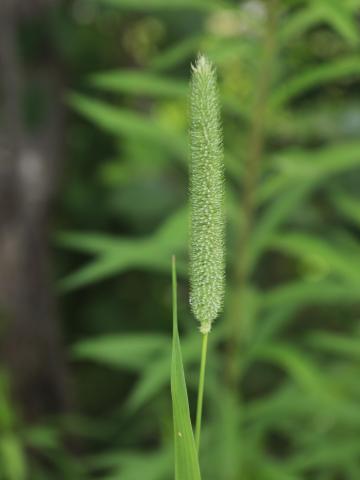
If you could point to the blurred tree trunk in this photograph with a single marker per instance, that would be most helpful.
(30, 337)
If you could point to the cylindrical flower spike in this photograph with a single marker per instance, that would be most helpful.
(207, 262)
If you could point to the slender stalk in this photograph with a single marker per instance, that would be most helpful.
(174, 290)
(201, 390)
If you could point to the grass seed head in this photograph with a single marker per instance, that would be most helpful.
(207, 262)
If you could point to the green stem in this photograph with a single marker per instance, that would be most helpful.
(174, 290)
(252, 174)
(201, 390)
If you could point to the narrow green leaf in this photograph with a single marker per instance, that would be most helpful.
(12, 457)
(176, 53)
(309, 247)
(275, 215)
(103, 267)
(186, 459)
(139, 83)
(341, 18)
(348, 205)
(299, 22)
(302, 370)
(120, 121)
(127, 351)
(310, 166)
(299, 293)
(335, 454)
(315, 77)
(274, 471)
(89, 242)
(143, 5)
(128, 465)
(337, 15)
(115, 256)
(336, 344)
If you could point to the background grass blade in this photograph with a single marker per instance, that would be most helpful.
(138, 83)
(186, 460)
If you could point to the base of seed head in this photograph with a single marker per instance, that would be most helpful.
(205, 328)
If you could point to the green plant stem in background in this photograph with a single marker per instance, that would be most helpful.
(199, 407)
(252, 173)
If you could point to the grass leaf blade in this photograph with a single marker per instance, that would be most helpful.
(186, 459)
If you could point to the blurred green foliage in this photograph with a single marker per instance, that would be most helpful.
(122, 211)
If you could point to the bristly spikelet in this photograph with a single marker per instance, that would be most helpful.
(207, 262)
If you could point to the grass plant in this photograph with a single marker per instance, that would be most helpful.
(207, 252)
